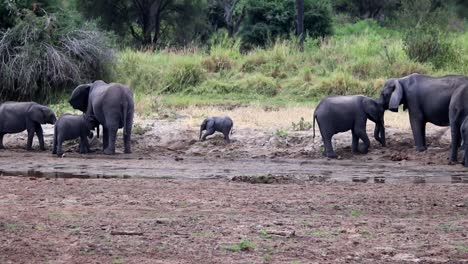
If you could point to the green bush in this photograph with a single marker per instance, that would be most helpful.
(429, 45)
(41, 57)
(182, 76)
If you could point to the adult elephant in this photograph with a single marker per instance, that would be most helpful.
(113, 107)
(426, 98)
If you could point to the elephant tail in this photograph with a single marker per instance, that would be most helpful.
(313, 124)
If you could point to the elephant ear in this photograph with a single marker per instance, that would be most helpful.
(37, 114)
(79, 97)
(374, 110)
(397, 95)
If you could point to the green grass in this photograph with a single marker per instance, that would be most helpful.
(358, 59)
(243, 245)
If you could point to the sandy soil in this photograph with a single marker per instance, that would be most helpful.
(268, 197)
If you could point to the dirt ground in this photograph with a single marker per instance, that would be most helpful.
(268, 197)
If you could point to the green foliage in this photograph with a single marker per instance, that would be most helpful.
(44, 54)
(182, 76)
(426, 40)
(302, 125)
(281, 133)
(244, 245)
(267, 20)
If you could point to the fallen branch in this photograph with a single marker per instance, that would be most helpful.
(126, 233)
(281, 233)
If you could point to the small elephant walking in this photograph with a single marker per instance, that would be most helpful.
(15, 117)
(221, 124)
(70, 127)
(337, 114)
(113, 106)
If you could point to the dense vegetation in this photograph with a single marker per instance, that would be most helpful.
(181, 52)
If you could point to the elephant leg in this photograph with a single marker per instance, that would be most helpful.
(355, 143)
(54, 146)
(465, 157)
(40, 135)
(456, 138)
(127, 138)
(105, 138)
(327, 142)
(226, 136)
(112, 135)
(1, 141)
(365, 139)
(418, 127)
(30, 138)
(59, 145)
(208, 132)
(84, 145)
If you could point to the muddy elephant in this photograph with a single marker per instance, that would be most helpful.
(69, 127)
(211, 125)
(15, 117)
(426, 98)
(337, 114)
(113, 107)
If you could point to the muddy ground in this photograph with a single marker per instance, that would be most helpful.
(268, 197)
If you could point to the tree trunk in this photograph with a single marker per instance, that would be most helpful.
(300, 23)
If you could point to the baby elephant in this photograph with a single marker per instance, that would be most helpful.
(221, 124)
(70, 127)
(15, 117)
(337, 114)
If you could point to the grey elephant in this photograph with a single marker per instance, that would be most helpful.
(464, 136)
(15, 117)
(458, 112)
(70, 127)
(426, 98)
(337, 114)
(113, 107)
(221, 124)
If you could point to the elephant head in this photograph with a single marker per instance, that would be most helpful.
(392, 95)
(80, 96)
(375, 112)
(42, 114)
(203, 127)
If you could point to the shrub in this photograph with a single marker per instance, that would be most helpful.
(429, 45)
(217, 63)
(183, 75)
(41, 57)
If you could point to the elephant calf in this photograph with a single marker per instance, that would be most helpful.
(70, 127)
(221, 124)
(15, 117)
(337, 114)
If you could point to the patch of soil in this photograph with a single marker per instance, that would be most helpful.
(221, 221)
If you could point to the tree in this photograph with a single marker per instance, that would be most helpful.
(226, 14)
(366, 8)
(300, 23)
(269, 19)
(144, 20)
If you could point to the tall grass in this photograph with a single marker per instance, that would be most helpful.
(357, 60)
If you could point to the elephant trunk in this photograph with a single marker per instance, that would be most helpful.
(379, 133)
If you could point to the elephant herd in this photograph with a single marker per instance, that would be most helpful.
(442, 101)
(110, 105)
